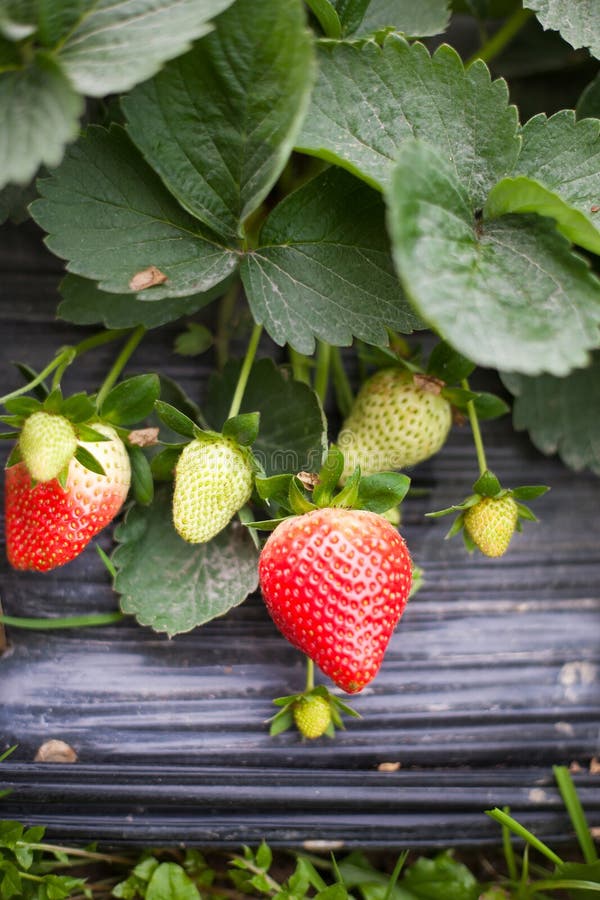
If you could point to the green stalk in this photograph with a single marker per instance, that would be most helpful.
(245, 372)
(75, 851)
(300, 366)
(503, 819)
(64, 359)
(67, 622)
(509, 853)
(310, 674)
(343, 391)
(481, 460)
(119, 364)
(496, 44)
(226, 311)
(322, 371)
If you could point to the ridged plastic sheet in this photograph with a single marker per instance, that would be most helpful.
(491, 678)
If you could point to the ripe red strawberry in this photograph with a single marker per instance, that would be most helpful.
(47, 444)
(336, 582)
(397, 421)
(48, 526)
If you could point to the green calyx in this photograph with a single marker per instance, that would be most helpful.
(295, 495)
(489, 516)
(315, 712)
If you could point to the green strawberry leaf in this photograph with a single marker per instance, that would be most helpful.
(107, 212)
(218, 124)
(9, 435)
(54, 401)
(297, 501)
(141, 476)
(440, 878)
(556, 413)
(324, 268)
(512, 271)
(382, 491)
(487, 485)
(78, 408)
(89, 461)
(327, 16)
(164, 462)
(39, 111)
(113, 46)
(428, 17)
(401, 91)
(588, 105)
(162, 595)
(524, 195)
(195, 341)
(40, 391)
(131, 400)
(526, 513)
(22, 406)
(243, 428)
(85, 304)
(292, 435)
(448, 365)
(329, 476)
(266, 524)
(275, 489)
(283, 720)
(529, 491)
(489, 406)
(90, 435)
(348, 496)
(557, 175)
(458, 397)
(578, 23)
(174, 419)
(171, 880)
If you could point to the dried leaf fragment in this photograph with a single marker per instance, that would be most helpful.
(428, 383)
(147, 278)
(54, 751)
(389, 766)
(143, 437)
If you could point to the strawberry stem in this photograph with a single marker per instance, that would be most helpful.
(245, 372)
(119, 364)
(67, 622)
(476, 431)
(322, 371)
(300, 366)
(496, 44)
(343, 391)
(310, 674)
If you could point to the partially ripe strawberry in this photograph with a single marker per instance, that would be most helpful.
(47, 525)
(491, 523)
(395, 422)
(312, 716)
(47, 444)
(213, 480)
(336, 582)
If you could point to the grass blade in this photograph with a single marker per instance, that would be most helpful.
(576, 814)
(503, 819)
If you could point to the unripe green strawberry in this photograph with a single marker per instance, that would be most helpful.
(396, 421)
(48, 444)
(491, 523)
(213, 480)
(312, 715)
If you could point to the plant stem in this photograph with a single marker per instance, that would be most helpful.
(67, 622)
(119, 364)
(476, 431)
(76, 851)
(310, 674)
(90, 343)
(343, 391)
(245, 372)
(68, 353)
(226, 312)
(576, 813)
(322, 372)
(496, 44)
(300, 366)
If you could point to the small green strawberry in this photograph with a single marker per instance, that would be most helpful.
(491, 524)
(397, 420)
(489, 517)
(47, 443)
(312, 715)
(315, 712)
(213, 480)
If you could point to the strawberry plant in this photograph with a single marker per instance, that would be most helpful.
(299, 178)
